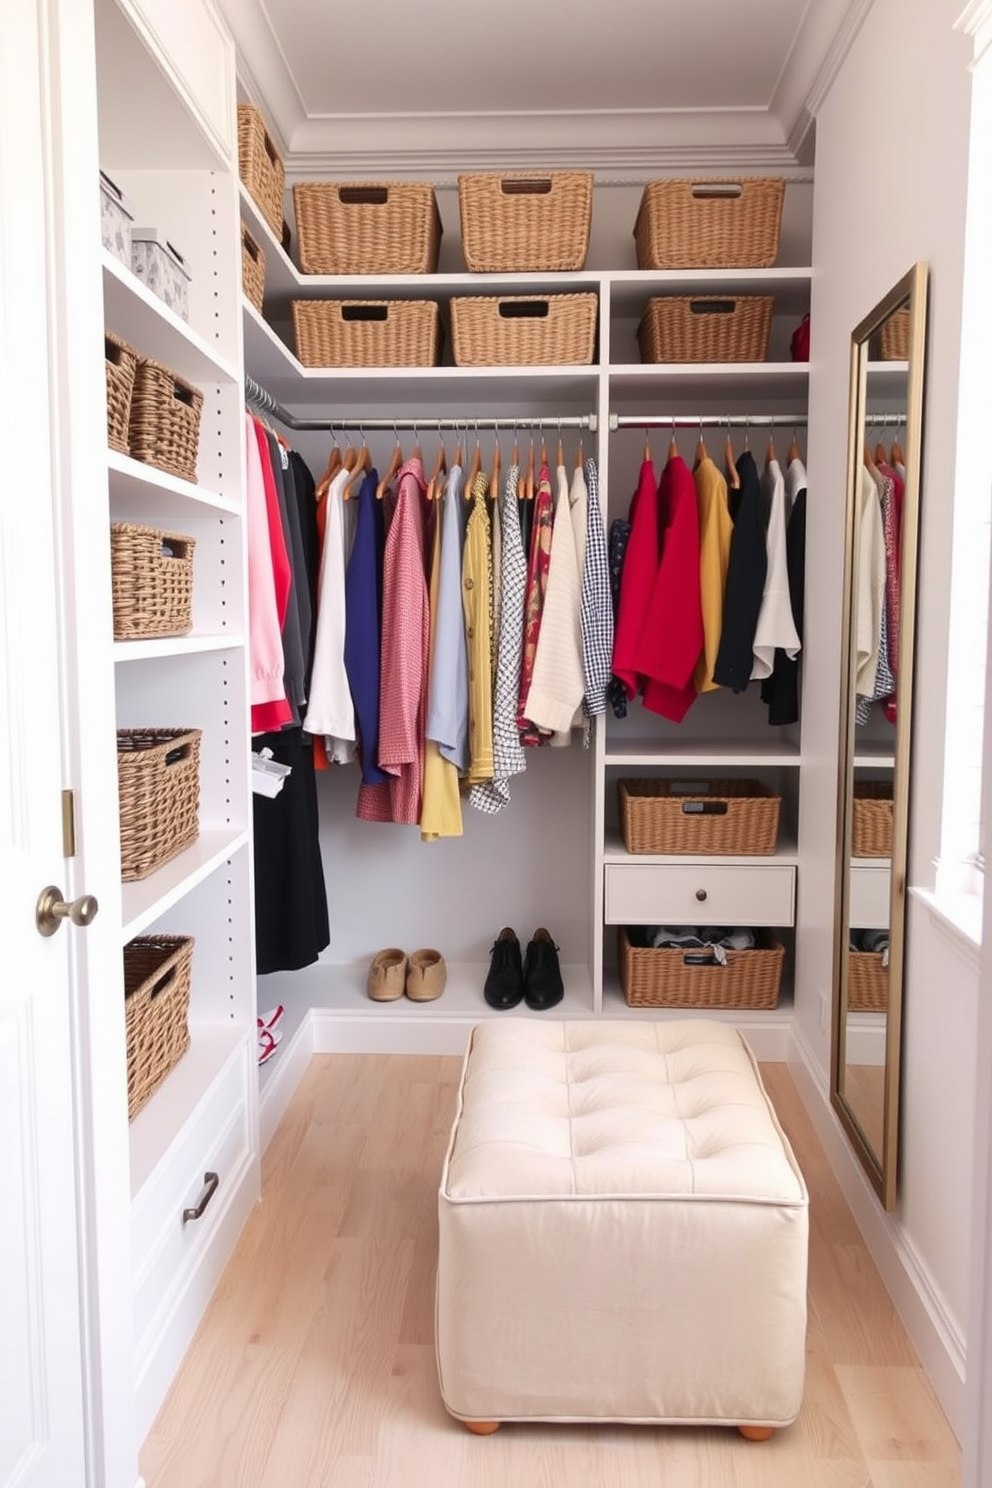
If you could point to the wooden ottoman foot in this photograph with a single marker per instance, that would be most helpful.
(756, 1433)
(482, 1428)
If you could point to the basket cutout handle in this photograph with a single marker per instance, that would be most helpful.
(112, 352)
(526, 186)
(159, 987)
(248, 242)
(364, 312)
(270, 149)
(363, 196)
(183, 394)
(688, 787)
(524, 309)
(174, 547)
(704, 808)
(173, 756)
(699, 958)
(717, 190)
(712, 307)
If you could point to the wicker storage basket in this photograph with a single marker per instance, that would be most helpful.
(367, 227)
(521, 223)
(158, 781)
(151, 581)
(120, 362)
(716, 224)
(367, 333)
(164, 426)
(867, 982)
(157, 975)
(523, 330)
(679, 978)
(717, 328)
(893, 338)
(252, 269)
(871, 819)
(706, 817)
(260, 166)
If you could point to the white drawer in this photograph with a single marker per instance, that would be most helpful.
(699, 894)
(869, 900)
(215, 1140)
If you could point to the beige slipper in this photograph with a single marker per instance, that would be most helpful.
(387, 975)
(426, 976)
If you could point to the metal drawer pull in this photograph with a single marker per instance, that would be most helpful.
(701, 895)
(210, 1182)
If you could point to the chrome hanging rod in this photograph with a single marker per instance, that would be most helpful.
(256, 395)
(707, 420)
(885, 420)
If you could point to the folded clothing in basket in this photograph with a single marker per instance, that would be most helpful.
(716, 938)
(872, 941)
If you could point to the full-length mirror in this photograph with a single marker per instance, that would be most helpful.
(883, 503)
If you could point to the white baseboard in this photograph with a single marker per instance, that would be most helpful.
(933, 1331)
(277, 1091)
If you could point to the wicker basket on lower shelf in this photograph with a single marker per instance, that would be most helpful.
(367, 333)
(710, 328)
(871, 819)
(867, 982)
(157, 979)
(523, 330)
(164, 426)
(677, 978)
(120, 362)
(158, 779)
(706, 817)
(151, 581)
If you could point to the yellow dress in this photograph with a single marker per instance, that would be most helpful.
(441, 804)
(715, 530)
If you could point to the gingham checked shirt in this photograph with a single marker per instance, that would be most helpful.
(509, 758)
(596, 602)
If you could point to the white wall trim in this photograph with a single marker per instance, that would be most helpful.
(934, 1332)
(798, 96)
(834, 60)
(954, 920)
(264, 77)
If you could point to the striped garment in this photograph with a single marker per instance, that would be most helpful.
(509, 758)
(596, 602)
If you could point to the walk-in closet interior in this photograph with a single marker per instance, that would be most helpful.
(191, 375)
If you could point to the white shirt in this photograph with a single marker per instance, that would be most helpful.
(776, 626)
(331, 711)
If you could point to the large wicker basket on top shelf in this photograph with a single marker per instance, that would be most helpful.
(367, 227)
(677, 978)
(157, 984)
(261, 167)
(519, 222)
(871, 819)
(158, 779)
(714, 817)
(709, 224)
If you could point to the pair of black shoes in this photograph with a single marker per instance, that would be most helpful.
(535, 978)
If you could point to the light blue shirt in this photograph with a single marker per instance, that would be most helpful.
(447, 699)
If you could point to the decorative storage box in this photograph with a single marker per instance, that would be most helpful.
(871, 819)
(252, 269)
(523, 330)
(705, 817)
(116, 216)
(120, 363)
(151, 581)
(160, 265)
(367, 333)
(716, 224)
(261, 167)
(522, 223)
(164, 425)
(867, 982)
(367, 227)
(158, 780)
(157, 977)
(714, 328)
(669, 977)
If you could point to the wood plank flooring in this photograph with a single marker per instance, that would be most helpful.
(314, 1365)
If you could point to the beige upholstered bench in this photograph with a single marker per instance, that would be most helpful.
(623, 1231)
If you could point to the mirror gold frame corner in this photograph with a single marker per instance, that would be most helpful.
(886, 392)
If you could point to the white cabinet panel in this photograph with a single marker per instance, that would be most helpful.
(869, 907)
(190, 38)
(699, 894)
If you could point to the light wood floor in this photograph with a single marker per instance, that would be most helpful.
(314, 1365)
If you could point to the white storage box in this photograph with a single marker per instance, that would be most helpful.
(116, 217)
(162, 267)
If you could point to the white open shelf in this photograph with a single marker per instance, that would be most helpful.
(189, 645)
(681, 752)
(145, 901)
(141, 491)
(153, 330)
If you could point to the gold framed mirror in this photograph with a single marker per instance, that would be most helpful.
(876, 702)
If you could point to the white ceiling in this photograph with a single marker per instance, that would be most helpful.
(387, 85)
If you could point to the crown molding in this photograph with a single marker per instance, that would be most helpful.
(844, 38)
(975, 21)
(823, 24)
(264, 78)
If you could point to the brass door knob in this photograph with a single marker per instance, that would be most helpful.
(52, 909)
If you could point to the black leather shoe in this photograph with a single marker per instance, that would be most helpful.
(504, 987)
(543, 986)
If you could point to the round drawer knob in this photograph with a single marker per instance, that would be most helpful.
(701, 895)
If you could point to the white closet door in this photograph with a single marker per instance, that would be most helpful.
(41, 1409)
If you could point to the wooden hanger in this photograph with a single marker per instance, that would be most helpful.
(701, 451)
(869, 462)
(544, 451)
(881, 454)
(794, 449)
(673, 447)
(474, 468)
(440, 468)
(580, 456)
(733, 478)
(561, 448)
(896, 457)
(770, 451)
(495, 469)
(396, 460)
(529, 482)
(334, 462)
(363, 462)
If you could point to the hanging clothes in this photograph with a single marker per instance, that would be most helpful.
(746, 571)
(403, 661)
(291, 915)
(620, 529)
(537, 581)
(441, 809)
(331, 710)
(476, 583)
(870, 598)
(294, 662)
(447, 706)
(781, 690)
(640, 568)
(672, 637)
(715, 534)
(363, 624)
(775, 625)
(557, 683)
(266, 601)
(596, 605)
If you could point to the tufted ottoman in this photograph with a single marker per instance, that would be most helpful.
(623, 1231)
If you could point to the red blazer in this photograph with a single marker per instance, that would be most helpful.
(672, 636)
(640, 565)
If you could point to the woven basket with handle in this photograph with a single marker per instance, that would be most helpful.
(252, 268)
(520, 222)
(704, 817)
(523, 330)
(674, 977)
(120, 362)
(164, 426)
(717, 224)
(706, 328)
(157, 984)
(367, 333)
(871, 819)
(367, 227)
(261, 167)
(158, 781)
